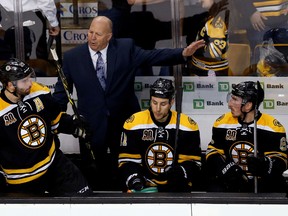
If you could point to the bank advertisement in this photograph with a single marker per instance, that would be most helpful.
(204, 100)
(205, 95)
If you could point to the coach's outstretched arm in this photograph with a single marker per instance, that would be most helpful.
(191, 49)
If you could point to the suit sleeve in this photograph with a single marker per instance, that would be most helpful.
(155, 57)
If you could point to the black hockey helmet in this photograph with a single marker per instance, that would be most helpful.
(162, 88)
(250, 92)
(275, 59)
(14, 70)
(279, 36)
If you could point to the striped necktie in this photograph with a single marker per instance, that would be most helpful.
(100, 70)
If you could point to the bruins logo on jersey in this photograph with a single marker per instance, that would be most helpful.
(158, 156)
(130, 119)
(239, 152)
(277, 123)
(220, 118)
(32, 131)
(191, 121)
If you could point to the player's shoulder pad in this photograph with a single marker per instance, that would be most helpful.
(138, 119)
(226, 118)
(270, 121)
(185, 121)
(39, 87)
(188, 121)
(3, 105)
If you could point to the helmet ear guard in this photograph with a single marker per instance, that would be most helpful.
(260, 95)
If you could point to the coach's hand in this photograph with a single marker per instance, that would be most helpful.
(191, 49)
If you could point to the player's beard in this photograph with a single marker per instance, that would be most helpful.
(23, 92)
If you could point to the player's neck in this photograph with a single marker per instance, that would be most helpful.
(249, 117)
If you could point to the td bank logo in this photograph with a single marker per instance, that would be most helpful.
(268, 104)
(198, 104)
(145, 104)
(223, 86)
(188, 86)
(138, 86)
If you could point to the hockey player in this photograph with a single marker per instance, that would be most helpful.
(231, 163)
(212, 26)
(259, 16)
(148, 146)
(30, 160)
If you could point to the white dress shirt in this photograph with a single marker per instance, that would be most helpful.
(47, 7)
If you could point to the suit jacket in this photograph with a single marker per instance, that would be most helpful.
(118, 101)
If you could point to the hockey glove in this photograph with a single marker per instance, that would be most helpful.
(135, 182)
(233, 176)
(216, 8)
(259, 166)
(177, 179)
(81, 127)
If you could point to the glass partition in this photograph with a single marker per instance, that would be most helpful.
(243, 38)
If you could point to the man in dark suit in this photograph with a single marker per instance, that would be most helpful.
(107, 109)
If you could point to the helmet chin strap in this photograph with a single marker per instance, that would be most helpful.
(245, 113)
(14, 92)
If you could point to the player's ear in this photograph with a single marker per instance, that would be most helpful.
(109, 36)
(172, 101)
(248, 106)
(10, 85)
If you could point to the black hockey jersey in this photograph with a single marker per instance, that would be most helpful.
(214, 30)
(148, 147)
(233, 140)
(274, 11)
(27, 147)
